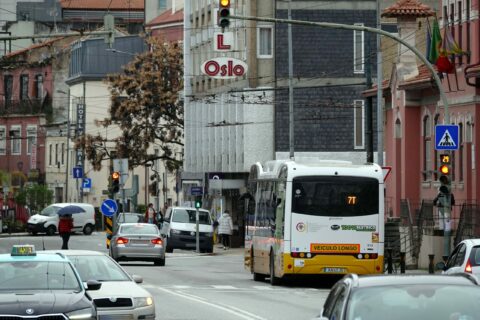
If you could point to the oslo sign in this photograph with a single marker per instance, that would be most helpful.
(224, 68)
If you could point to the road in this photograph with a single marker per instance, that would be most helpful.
(211, 287)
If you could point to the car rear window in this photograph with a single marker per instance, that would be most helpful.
(475, 256)
(139, 229)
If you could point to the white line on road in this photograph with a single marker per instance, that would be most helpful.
(223, 287)
(233, 310)
(263, 288)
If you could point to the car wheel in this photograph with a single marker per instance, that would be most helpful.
(88, 229)
(209, 250)
(168, 249)
(34, 233)
(159, 262)
(273, 280)
(51, 231)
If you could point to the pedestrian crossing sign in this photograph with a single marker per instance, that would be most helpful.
(446, 137)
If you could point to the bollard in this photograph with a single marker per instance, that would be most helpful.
(389, 261)
(402, 262)
(430, 264)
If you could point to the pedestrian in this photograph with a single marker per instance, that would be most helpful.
(150, 215)
(225, 228)
(441, 201)
(164, 209)
(65, 226)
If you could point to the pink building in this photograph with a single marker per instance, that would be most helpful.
(413, 108)
(167, 26)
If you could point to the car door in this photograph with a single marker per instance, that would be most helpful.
(335, 302)
(165, 231)
(455, 263)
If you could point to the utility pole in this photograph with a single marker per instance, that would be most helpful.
(291, 117)
(368, 103)
(379, 92)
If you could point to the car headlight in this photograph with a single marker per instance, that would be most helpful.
(82, 314)
(175, 231)
(143, 302)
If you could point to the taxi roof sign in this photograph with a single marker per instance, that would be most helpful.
(23, 250)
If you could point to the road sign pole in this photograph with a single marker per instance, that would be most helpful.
(197, 231)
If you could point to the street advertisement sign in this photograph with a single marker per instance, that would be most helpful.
(224, 68)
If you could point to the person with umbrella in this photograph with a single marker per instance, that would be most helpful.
(65, 226)
(65, 223)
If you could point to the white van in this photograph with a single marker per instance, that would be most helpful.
(179, 227)
(47, 220)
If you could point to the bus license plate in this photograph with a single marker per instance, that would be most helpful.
(335, 270)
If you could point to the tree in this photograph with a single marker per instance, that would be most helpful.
(36, 196)
(146, 106)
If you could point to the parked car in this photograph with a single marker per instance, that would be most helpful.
(47, 220)
(137, 241)
(43, 286)
(400, 297)
(131, 302)
(464, 258)
(179, 227)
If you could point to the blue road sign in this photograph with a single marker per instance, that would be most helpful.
(196, 191)
(78, 172)
(446, 137)
(109, 207)
(87, 183)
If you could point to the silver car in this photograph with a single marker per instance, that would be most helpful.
(138, 241)
(131, 302)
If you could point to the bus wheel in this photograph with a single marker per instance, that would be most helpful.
(273, 280)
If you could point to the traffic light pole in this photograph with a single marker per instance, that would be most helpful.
(197, 230)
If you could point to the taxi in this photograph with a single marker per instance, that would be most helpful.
(43, 286)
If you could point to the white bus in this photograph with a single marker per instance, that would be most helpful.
(315, 217)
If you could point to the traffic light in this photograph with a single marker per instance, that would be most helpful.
(445, 169)
(224, 14)
(115, 181)
(198, 202)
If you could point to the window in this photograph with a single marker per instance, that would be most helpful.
(16, 139)
(3, 140)
(24, 87)
(39, 86)
(8, 87)
(63, 154)
(56, 154)
(358, 125)
(265, 42)
(162, 4)
(31, 138)
(427, 146)
(50, 149)
(358, 54)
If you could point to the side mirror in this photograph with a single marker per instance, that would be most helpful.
(137, 278)
(441, 266)
(93, 285)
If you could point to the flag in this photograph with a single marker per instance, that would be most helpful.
(450, 46)
(435, 43)
(429, 42)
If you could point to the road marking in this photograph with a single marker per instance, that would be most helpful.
(233, 310)
(182, 287)
(263, 288)
(223, 287)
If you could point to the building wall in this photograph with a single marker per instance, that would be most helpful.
(325, 84)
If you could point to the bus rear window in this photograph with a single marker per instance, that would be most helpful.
(335, 196)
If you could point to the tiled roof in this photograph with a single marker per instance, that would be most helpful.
(167, 17)
(424, 74)
(408, 8)
(103, 4)
(33, 46)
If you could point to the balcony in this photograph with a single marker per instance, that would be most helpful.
(26, 107)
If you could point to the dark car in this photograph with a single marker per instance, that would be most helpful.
(400, 297)
(45, 286)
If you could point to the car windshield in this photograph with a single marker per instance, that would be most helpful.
(37, 275)
(50, 211)
(139, 229)
(435, 301)
(189, 216)
(98, 267)
(129, 218)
